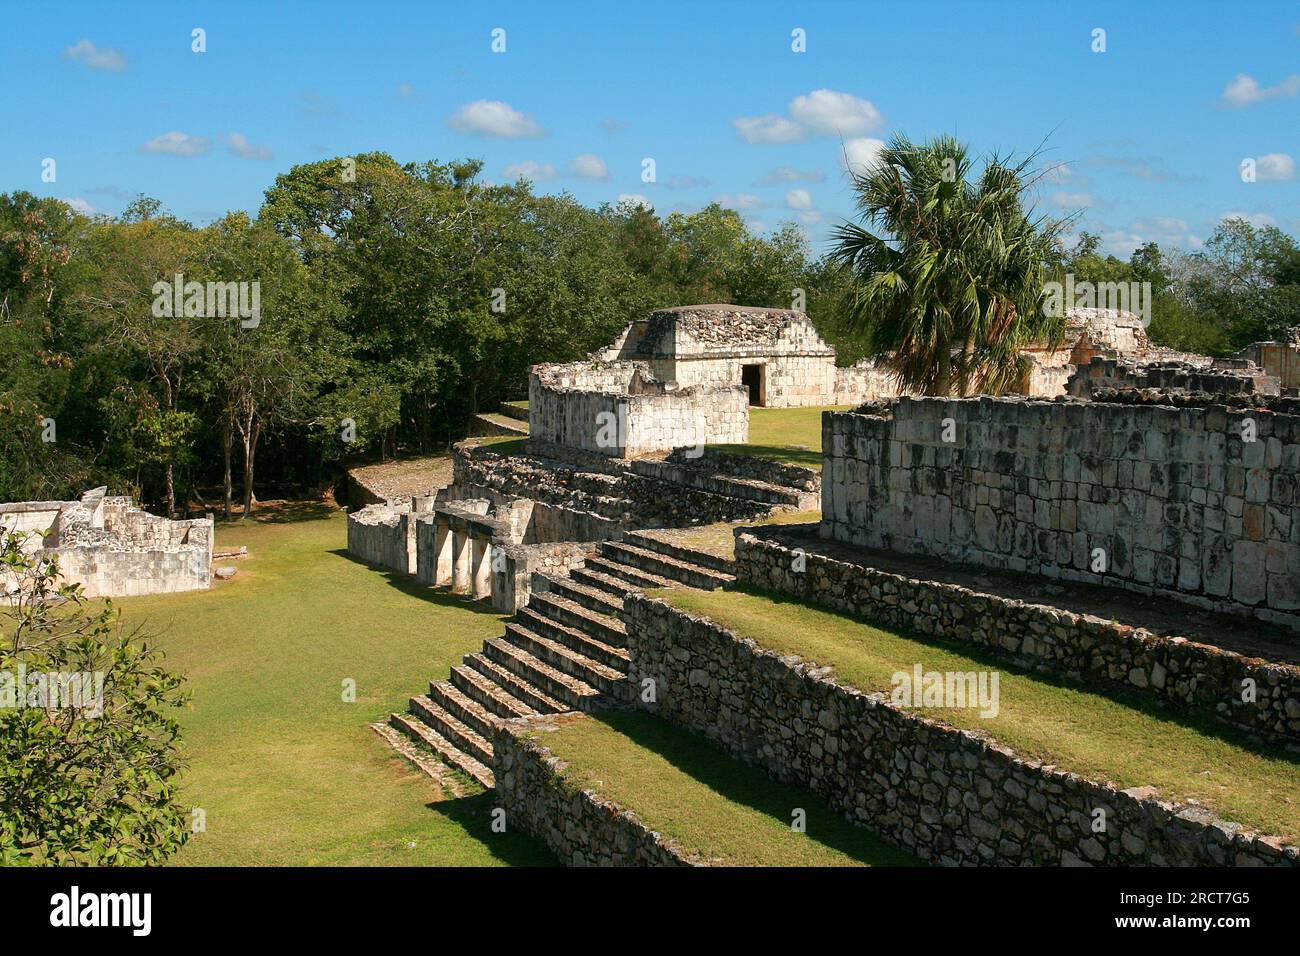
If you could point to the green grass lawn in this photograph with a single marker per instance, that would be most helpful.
(790, 435)
(1101, 737)
(683, 787)
(286, 772)
(719, 538)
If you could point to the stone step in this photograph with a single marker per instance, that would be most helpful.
(626, 572)
(714, 562)
(613, 656)
(464, 708)
(719, 484)
(489, 694)
(599, 580)
(573, 693)
(683, 572)
(514, 685)
(452, 755)
(452, 729)
(603, 627)
(559, 656)
(594, 598)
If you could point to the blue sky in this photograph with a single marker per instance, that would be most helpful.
(1151, 133)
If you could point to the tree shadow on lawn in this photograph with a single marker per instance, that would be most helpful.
(409, 585)
(474, 815)
(752, 787)
(279, 512)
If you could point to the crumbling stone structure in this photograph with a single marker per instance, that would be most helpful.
(112, 548)
(1196, 502)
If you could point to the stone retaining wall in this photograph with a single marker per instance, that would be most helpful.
(949, 796)
(377, 534)
(1192, 677)
(1151, 498)
(579, 826)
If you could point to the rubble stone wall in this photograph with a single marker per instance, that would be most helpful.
(949, 796)
(1151, 498)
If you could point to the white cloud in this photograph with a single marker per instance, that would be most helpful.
(1072, 200)
(740, 201)
(529, 169)
(860, 154)
(788, 174)
(837, 114)
(636, 199)
(1274, 167)
(238, 144)
(495, 119)
(1165, 230)
(1257, 219)
(96, 58)
(177, 144)
(1244, 90)
(83, 207)
(767, 129)
(821, 112)
(589, 166)
(798, 199)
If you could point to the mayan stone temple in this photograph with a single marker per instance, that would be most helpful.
(1122, 525)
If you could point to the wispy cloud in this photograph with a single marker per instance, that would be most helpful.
(495, 120)
(741, 201)
(819, 113)
(95, 57)
(177, 144)
(610, 126)
(317, 106)
(531, 170)
(635, 199)
(788, 174)
(590, 167)
(238, 144)
(1244, 90)
(1275, 167)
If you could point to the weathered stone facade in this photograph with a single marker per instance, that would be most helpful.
(579, 826)
(112, 548)
(1192, 677)
(1151, 498)
(618, 410)
(949, 796)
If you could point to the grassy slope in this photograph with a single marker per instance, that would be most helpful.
(791, 435)
(1098, 736)
(286, 772)
(720, 539)
(687, 789)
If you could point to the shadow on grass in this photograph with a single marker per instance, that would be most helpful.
(1164, 712)
(751, 787)
(806, 458)
(287, 512)
(474, 815)
(408, 585)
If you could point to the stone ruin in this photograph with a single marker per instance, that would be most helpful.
(112, 548)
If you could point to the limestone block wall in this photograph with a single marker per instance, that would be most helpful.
(26, 517)
(789, 381)
(949, 796)
(578, 825)
(618, 411)
(1151, 498)
(377, 534)
(1191, 677)
(864, 381)
(1223, 377)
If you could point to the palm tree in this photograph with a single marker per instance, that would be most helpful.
(947, 273)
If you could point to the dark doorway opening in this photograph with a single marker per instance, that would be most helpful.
(751, 376)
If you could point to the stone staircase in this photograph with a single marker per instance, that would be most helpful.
(565, 650)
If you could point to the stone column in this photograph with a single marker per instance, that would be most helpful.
(460, 550)
(482, 576)
(442, 553)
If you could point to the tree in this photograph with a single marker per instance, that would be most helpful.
(88, 752)
(948, 271)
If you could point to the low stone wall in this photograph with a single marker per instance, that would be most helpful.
(579, 826)
(1194, 502)
(864, 381)
(1222, 377)
(949, 796)
(377, 534)
(1192, 677)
